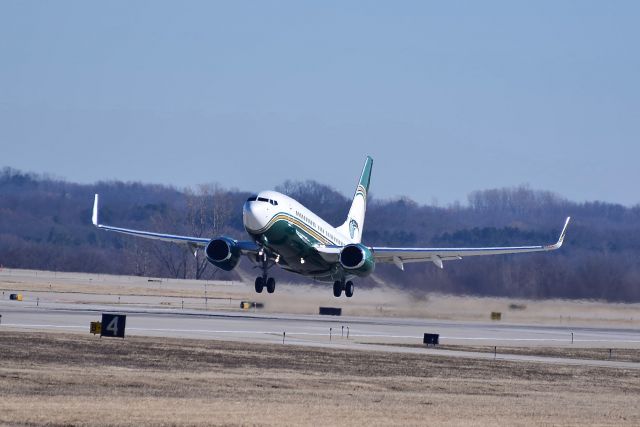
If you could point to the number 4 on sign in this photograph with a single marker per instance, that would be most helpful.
(114, 325)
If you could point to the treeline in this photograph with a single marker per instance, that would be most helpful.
(45, 224)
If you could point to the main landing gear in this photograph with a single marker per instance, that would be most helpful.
(340, 285)
(265, 280)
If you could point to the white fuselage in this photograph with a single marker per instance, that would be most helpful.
(259, 214)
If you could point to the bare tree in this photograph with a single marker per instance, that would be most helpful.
(172, 256)
(208, 211)
(205, 213)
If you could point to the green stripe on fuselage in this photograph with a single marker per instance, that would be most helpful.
(283, 216)
(292, 239)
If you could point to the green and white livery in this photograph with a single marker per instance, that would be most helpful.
(285, 233)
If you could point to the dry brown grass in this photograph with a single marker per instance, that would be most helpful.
(383, 300)
(617, 354)
(64, 379)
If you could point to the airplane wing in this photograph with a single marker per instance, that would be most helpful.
(245, 246)
(400, 256)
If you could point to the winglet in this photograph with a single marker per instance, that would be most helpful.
(94, 217)
(562, 234)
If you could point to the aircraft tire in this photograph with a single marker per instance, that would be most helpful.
(348, 289)
(259, 284)
(271, 285)
(337, 288)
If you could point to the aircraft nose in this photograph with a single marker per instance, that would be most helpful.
(252, 216)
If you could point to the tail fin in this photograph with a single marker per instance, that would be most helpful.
(352, 227)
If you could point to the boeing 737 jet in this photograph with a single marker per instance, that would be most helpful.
(285, 233)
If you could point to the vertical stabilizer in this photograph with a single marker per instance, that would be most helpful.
(352, 227)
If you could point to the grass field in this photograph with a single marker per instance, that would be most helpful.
(381, 301)
(67, 379)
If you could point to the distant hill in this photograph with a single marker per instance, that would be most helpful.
(45, 224)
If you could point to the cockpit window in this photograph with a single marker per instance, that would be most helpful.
(262, 199)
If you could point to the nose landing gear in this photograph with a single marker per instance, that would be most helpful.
(340, 285)
(265, 280)
(259, 284)
(268, 282)
(271, 285)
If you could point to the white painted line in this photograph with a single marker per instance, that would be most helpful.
(336, 334)
(537, 339)
(17, 325)
(494, 338)
(207, 331)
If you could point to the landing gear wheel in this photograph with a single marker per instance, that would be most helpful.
(271, 285)
(259, 284)
(348, 289)
(337, 288)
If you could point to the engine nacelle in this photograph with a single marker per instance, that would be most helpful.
(357, 259)
(223, 252)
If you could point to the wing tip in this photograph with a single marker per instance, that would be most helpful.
(564, 229)
(563, 233)
(94, 216)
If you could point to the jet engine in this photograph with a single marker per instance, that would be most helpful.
(223, 252)
(357, 259)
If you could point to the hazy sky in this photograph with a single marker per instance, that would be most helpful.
(448, 97)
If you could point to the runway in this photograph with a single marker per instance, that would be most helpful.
(357, 333)
(68, 302)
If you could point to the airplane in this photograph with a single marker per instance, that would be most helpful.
(285, 233)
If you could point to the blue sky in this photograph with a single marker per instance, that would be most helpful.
(448, 97)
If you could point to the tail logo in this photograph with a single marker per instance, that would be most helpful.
(353, 226)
